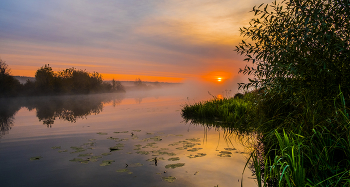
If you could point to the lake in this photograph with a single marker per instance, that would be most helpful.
(131, 139)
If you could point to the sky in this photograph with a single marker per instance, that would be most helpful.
(154, 40)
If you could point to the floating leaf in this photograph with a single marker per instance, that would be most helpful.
(123, 140)
(122, 132)
(56, 147)
(136, 165)
(196, 172)
(61, 151)
(169, 179)
(172, 166)
(77, 149)
(136, 130)
(102, 133)
(174, 159)
(194, 149)
(224, 155)
(156, 138)
(36, 158)
(106, 154)
(194, 139)
(111, 138)
(197, 155)
(142, 152)
(106, 162)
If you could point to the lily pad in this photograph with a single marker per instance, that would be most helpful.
(197, 155)
(56, 147)
(194, 139)
(123, 140)
(36, 158)
(102, 133)
(106, 154)
(124, 171)
(106, 162)
(173, 166)
(77, 149)
(174, 159)
(160, 152)
(111, 138)
(122, 132)
(142, 152)
(169, 179)
(230, 149)
(136, 165)
(194, 149)
(156, 138)
(224, 155)
(136, 130)
(62, 151)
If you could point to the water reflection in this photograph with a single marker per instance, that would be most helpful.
(49, 109)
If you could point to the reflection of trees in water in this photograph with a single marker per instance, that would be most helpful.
(7, 111)
(48, 109)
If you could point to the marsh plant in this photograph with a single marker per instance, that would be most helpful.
(300, 54)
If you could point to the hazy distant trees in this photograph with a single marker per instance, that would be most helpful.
(48, 82)
(117, 86)
(139, 84)
(9, 86)
(71, 80)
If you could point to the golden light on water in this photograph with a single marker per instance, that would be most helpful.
(219, 79)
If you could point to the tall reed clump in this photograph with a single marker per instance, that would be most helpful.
(297, 155)
(224, 110)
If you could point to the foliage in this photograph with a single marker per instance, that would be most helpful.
(139, 84)
(72, 81)
(299, 46)
(48, 82)
(9, 86)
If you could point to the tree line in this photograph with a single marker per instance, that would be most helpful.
(49, 82)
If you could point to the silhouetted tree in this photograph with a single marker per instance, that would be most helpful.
(44, 79)
(9, 86)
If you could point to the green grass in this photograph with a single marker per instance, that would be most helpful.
(304, 143)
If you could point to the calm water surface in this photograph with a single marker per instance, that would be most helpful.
(133, 139)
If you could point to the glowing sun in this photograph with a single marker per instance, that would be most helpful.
(219, 79)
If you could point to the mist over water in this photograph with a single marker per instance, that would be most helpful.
(68, 140)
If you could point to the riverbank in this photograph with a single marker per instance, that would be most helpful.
(301, 143)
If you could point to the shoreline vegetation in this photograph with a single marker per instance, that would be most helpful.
(298, 107)
(70, 81)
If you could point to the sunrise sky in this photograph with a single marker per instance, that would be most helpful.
(155, 40)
